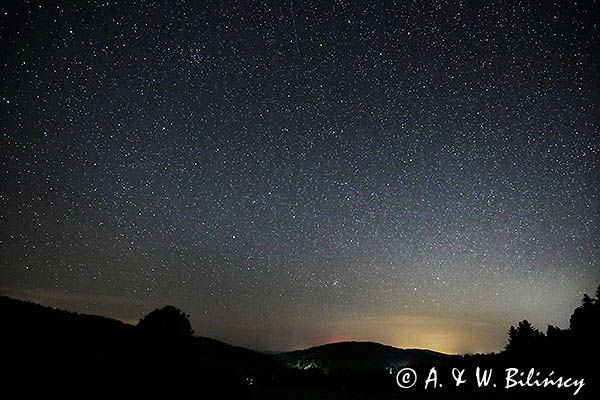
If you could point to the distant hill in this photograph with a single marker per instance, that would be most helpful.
(45, 350)
(352, 357)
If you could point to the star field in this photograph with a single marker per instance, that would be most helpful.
(422, 174)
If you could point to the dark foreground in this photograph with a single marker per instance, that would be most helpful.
(52, 352)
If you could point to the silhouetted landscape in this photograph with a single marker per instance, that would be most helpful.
(354, 357)
(300, 199)
(52, 349)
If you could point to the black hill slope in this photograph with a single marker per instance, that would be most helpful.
(352, 357)
(44, 348)
(41, 342)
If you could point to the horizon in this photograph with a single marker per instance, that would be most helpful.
(421, 174)
(267, 350)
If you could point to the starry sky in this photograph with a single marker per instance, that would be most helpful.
(291, 173)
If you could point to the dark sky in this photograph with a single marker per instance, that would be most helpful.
(423, 174)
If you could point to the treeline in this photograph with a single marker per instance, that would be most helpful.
(583, 334)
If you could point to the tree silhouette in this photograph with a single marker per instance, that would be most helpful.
(525, 337)
(168, 320)
(585, 320)
(554, 332)
(584, 329)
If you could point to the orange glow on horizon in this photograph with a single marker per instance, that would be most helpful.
(446, 335)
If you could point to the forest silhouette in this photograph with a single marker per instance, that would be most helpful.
(581, 336)
(50, 350)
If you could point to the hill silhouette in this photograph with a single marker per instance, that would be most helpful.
(54, 351)
(64, 348)
(353, 357)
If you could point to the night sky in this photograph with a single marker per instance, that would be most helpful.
(291, 173)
